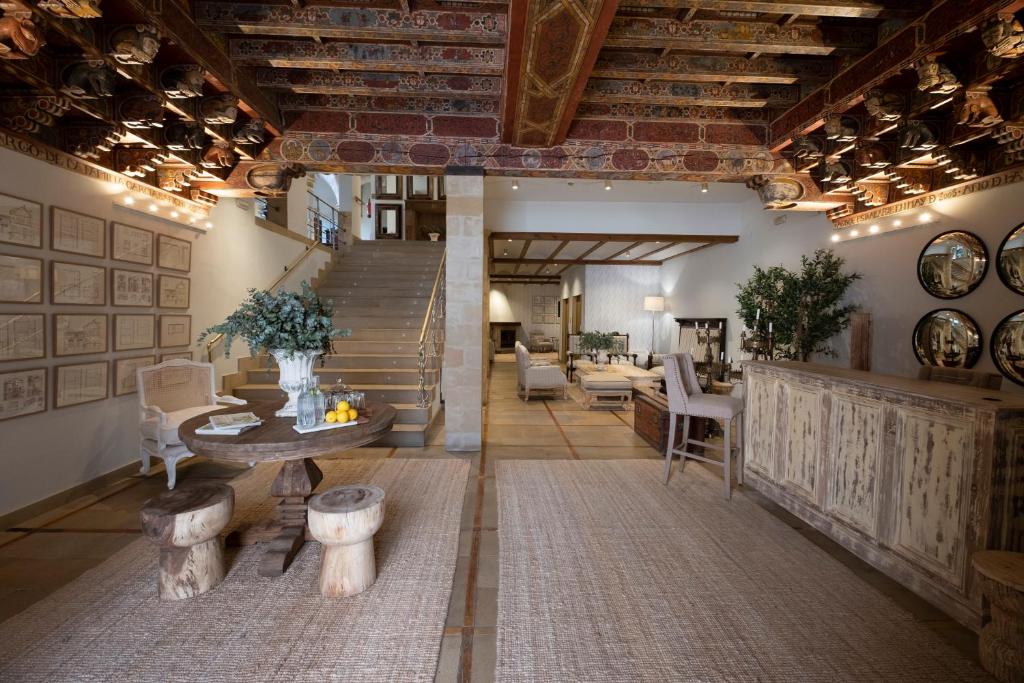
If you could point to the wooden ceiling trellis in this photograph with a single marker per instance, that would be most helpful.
(843, 105)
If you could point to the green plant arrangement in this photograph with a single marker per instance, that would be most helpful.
(596, 341)
(290, 321)
(805, 308)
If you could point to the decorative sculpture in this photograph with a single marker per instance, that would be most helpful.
(776, 192)
(935, 77)
(837, 172)
(219, 109)
(841, 128)
(884, 105)
(977, 110)
(250, 132)
(1003, 36)
(89, 142)
(88, 80)
(807, 148)
(135, 44)
(918, 136)
(72, 9)
(273, 179)
(20, 38)
(182, 135)
(872, 155)
(182, 81)
(219, 155)
(142, 111)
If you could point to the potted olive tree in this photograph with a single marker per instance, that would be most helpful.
(294, 327)
(597, 343)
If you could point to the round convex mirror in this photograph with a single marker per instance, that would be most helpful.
(947, 338)
(952, 264)
(1010, 260)
(1008, 347)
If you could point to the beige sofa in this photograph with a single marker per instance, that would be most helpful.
(537, 375)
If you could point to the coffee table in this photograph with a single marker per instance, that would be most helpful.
(299, 476)
(603, 388)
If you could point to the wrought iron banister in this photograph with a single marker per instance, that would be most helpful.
(431, 345)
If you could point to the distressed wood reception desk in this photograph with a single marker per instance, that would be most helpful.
(911, 476)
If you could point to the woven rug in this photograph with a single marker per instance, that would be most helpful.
(109, 625)
(607, 575)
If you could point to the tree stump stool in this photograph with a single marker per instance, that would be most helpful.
(1001, 646)
(344, 520)
(185, 524)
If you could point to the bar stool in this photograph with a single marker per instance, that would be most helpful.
(685, 398)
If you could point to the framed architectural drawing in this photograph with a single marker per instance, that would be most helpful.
(184, 355)
(21, 280)
(22, 392)
(173, 254)
(77, 233)
(21, 221)
(77, 284)
(76, 334)
(175, 330)
(173, 292)
(124, 373)
(134, 332)
(22, 336)
(80, 383)
(131, 288)
(131, 244)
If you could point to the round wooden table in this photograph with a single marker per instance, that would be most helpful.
(299, 476)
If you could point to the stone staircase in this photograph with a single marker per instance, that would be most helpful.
(381, 291)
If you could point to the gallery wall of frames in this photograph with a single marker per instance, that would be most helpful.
(950, 267)
(84, 302)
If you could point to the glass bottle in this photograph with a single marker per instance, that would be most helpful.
(306, 406)
(319, 401)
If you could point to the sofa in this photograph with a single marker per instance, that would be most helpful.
(537, 375)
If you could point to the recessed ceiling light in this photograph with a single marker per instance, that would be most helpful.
(209, 224)
(835, 238)
(154, 208)
(607, 185)
(854, 233)
(873, 229)
(897, 223)
(174, 214)
(704, 187)
(925, 217)
(129, 200)
(515, 184)
(627, 254)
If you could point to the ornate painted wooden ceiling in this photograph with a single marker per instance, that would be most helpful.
(816, 105)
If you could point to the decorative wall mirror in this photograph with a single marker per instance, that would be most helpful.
(947, 338)
(389, 222)
(953, 264)
(419, 187)
(1008, 347)
(387, 187)
(1010, 260)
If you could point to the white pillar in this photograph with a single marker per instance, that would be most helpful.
(464, 282)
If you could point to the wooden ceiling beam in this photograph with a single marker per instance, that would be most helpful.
(602, 237)
(590, 251)
(661, 247)
(695, 68)
(576, 262)
(348, 56)
(351, 23)
(853, 9)
(620, 252)
(669, 93)
(322, 81)
(558, 249)
(764, 37)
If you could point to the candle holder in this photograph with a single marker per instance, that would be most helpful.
(759, 344)
(708, 337)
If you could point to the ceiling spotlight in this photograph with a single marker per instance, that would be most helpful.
(835, 238)
(509, 239)
(704, 187)
(607, 185)
(209, 225)
(627, 254)
(505, 253)
(897, 223)
(174, 214)
(154, 208)
(192, 220)
(515, 184)
(854, 233)
(129, 200)
(874, 229)
(925, 217)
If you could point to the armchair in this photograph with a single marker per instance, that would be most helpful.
(534, 375)
(169, 394)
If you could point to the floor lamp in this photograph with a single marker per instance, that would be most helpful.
(654, 304)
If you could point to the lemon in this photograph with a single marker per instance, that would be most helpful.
(342, 406)
(331, 416)
(352, 414)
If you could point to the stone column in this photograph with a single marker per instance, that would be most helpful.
(464, 281)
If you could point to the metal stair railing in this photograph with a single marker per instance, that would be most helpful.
(431, 345)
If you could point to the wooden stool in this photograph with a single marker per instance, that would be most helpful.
(185, 523)
(344, 519)
(1001, 646)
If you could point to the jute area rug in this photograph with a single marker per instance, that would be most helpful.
(109, 625)
(607, 575)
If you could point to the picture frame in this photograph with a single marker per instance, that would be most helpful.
(77, 284)
(80, 383)
(176, 355)
(22, 392)
(387, 186)
(21, 221)
(175, 330)
(77, 233)
(131, 288)
(79, 334)
(21, 279)
(133, 331)
(125, 373)
(419, 187)
(440, 188)
(22, 336)
(131, 244)
(173, 292)
(173, 253)
(388, 221)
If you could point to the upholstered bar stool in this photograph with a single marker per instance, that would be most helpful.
(344, 520)
(185, 524)
(686, 399)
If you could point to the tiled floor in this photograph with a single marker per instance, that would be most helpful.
(41, 554)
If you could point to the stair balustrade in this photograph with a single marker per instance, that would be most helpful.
(431, 344)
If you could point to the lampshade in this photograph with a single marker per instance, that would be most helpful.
(654, 303)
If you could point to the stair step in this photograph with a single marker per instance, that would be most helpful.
(368, 300)
(376, 334)
(351, 376)
(368, 361)
(354, 322)
(342, 311)
(346, 345)
(382, 393)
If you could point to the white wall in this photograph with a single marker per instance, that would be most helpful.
(614, 301)
(46, 453)
(514, 303)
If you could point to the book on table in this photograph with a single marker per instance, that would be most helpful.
(234, 420)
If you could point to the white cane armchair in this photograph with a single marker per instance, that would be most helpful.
(169, 394)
